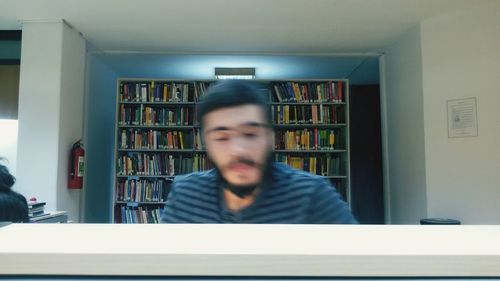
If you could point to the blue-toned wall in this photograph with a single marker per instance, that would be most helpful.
(103, 70)
(100, 112)
(366, 73)
(360, 69)
(10, 49)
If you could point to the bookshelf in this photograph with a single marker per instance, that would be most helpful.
(157, 137)
(311, 122)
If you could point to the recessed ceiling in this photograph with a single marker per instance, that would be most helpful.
(359, 69)
(222, 26)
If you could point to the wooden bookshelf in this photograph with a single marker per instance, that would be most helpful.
(157, 137)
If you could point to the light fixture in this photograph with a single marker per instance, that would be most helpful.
(235, 72)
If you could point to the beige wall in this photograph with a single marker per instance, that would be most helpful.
(9, 91)
(451, 56)
(461, 59)
(405, 130)
(71, 112)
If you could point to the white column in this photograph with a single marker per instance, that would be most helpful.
(50, 112)
(405, 129)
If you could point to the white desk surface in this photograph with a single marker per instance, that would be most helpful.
(250, 250)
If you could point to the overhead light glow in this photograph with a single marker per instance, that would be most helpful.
(234, 73)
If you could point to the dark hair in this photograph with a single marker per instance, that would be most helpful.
(230, 93)
(13, 206)
(6, 179)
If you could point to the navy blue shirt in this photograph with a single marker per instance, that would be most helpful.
(288, 196)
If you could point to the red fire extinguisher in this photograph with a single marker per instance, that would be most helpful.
(76, 166)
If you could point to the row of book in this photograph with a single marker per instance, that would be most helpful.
(183, 116)
(308, 139)
(162, 91)
(281, 114)
(167, 116)
(329, 91)
(307, 114)
(142, 164)
(324, 165)
(154, 92)
(142, 190)
(142, 214)
(133, 138)
(200, 88)
(155, 116)
(305, 139)
(141, 91)
(158, 164)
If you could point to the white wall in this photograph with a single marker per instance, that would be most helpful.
(39, 102)
(405, 129)
(71, 112)
(8, 145)
(461, 58)
(50, 109)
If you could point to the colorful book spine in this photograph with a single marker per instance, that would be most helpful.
(141, 214)
(141, 190)
(307, 139)
(155, 139)
(324, 165)
(303, 92)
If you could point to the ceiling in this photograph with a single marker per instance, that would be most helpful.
(282, 39)
(232, 26)
(359, 69)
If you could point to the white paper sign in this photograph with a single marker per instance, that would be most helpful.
(462, 118)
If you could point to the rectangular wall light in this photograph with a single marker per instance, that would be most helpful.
(234, 72)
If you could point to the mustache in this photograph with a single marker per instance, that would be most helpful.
(245, 161)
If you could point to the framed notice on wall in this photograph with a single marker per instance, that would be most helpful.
(462, 118)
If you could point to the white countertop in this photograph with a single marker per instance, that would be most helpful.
(250, 250)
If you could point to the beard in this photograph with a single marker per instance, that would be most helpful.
(244, 190)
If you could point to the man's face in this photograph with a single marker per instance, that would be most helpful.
(238, 141)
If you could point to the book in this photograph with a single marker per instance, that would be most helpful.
(324, 165)
(36, 209)
(139, 214)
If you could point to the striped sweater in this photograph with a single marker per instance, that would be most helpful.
(289, 196)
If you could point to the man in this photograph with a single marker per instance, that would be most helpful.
(246, 186)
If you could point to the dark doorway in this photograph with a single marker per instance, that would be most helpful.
(367, 195)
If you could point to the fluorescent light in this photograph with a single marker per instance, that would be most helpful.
(234, 73)
(221, 77)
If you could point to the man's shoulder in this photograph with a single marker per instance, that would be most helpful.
(285, 171)
(196, 179)
(291, 177)
(325, 205)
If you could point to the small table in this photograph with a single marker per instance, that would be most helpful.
(51, 217)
